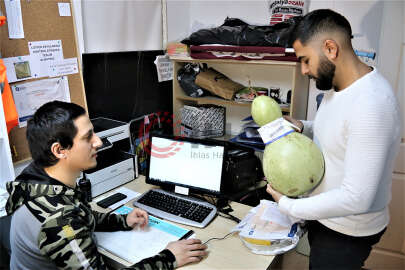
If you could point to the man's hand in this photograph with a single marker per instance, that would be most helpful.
(275, 194)
(187, 251)
(137, 217)
(295, 122)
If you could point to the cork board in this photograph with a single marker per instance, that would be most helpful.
(41, 22)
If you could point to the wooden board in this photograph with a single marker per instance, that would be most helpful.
(41, 22)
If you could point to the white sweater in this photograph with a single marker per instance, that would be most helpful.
(358, 132)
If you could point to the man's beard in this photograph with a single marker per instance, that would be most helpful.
(326, 72)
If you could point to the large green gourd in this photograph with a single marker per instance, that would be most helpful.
(293, 164)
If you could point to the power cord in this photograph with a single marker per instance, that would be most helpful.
(222, 206)
(218, 238)
(226, 211)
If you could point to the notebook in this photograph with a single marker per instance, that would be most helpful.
(135, 245)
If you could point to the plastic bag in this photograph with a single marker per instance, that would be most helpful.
(267, 231)
(186, 77)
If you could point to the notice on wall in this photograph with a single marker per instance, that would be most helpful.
(14, 19)
(164, 68)
(21, 68)
(28, 97)
(46, 52)
(64, 9)
(63, 67)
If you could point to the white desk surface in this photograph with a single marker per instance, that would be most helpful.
(229, 253)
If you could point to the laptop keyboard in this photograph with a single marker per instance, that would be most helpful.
(177, 208)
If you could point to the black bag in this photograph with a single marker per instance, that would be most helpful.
(237, 32)
(242, 169)
(186, 77)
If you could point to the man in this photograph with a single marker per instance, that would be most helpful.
(357, 128)
(52, 224)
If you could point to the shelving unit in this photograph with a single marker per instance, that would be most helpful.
(265, 73)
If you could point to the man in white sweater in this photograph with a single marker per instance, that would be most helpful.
(357, 128)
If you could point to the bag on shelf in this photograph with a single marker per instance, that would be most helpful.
(186, 77)
(217, 83)
(203, 121)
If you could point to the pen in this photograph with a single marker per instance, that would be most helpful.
(187, 235)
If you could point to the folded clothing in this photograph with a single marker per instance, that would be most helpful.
(242, 53)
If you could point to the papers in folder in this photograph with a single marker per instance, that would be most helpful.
(135, 245)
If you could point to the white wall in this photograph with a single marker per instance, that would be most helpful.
(186, 16)
(112, 26)
(377, 26)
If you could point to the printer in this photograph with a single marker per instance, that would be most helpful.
(115, 166)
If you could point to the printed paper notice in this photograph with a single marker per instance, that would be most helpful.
(21, 68)
(64, 9)
(46, 52)
(164, 68)
(64, 67)
(14, 19)
(28, 97)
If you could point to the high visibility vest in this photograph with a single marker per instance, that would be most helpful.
(10, 111)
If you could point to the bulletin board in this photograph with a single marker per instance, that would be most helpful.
(41, 21)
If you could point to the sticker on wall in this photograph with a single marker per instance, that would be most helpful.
(282, 10)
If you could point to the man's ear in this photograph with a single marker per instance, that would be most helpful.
(331, 49)
(58, 150)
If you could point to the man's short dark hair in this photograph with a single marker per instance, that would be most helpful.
(320, 21)
(52, 122)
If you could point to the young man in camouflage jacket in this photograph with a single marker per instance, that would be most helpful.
(52, 224)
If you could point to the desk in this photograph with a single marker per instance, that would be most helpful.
(229, 253)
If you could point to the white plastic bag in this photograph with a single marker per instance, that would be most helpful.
(267, 231)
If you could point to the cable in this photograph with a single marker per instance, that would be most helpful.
(231, 217)
(217, 238)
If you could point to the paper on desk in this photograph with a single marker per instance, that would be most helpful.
(265, 221)
(267, 231)
(126, 191)
(136, 245)
(14, 19)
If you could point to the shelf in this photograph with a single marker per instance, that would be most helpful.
(265, 73)
(218, 101)
(230, 61)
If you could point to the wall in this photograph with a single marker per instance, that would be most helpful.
(185, 16)
(113, 26)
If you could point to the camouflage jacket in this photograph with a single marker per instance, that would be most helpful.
(53, 226)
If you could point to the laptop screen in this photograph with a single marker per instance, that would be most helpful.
(192, 163)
